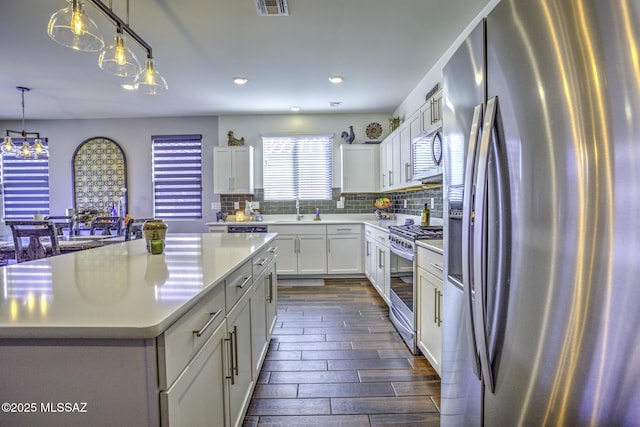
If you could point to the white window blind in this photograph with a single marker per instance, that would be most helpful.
(297, 167)
(177, 176)
(25, 186)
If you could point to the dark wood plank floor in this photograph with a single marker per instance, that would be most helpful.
(335, 360)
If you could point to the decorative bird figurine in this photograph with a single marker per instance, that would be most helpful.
(233, 140)
(348, 137)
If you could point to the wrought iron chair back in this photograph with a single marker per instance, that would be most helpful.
(106, 224)
(61, 222)
(32, 238)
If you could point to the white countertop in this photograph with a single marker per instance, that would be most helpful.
(433, 245)
(328, 219)
(118, 291)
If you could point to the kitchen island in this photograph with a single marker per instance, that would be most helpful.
(115, 336)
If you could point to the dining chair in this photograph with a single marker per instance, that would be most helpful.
(33, 239)
(106, 224)
(61, 222)
(133, 229)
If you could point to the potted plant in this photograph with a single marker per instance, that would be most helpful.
(394, 122)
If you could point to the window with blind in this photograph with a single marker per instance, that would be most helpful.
(177, 176)
(25, 186)
(297, 167)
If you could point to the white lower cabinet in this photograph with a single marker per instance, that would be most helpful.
(263, 313)
(383, 273)
(302, 249)
(378, 260)
(344, 249)
(240, 369)
(210, 357)
(429, 303)
(197, 397)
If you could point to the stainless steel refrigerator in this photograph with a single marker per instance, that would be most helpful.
(541, 127)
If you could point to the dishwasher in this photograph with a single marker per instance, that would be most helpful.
(247, 228)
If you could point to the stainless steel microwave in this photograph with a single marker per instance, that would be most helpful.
(426, 157)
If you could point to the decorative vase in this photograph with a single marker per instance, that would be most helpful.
(155, 232)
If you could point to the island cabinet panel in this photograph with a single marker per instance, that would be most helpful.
(263, 304)
(105, 382)
(178, 345)
(241, 380)
(197, 398)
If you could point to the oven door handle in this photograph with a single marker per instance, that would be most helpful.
(400, 322)
(401, 253)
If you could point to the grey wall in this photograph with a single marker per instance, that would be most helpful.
(134, 136)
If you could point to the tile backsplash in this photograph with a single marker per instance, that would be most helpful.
(354, 203)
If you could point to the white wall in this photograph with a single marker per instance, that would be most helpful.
(134, 136)
(253, 127)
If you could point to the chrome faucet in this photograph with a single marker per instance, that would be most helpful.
(298, 216)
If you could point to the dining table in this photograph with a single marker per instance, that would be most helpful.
(67, 243)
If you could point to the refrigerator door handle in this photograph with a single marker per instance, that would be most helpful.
(467, 219)
(480, 244)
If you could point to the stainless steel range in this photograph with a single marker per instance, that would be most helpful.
(402, 240)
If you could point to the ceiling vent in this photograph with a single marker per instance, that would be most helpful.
(272, 7)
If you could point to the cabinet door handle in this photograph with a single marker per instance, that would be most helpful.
(235, 348)
(230, 341)
(368, 247)
(407, 172)
(435, 305)
(269, 280)
(390, 177)
(245, 281)
(261, 262)
(328, 245)
(343, 229)
(272, 249)
(213, 317)
(439, 308)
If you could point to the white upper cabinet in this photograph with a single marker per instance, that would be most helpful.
(233, 170)
(359, 168)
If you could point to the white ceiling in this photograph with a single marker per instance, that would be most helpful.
(383, 48)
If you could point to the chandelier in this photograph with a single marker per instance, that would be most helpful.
(73, 28)
(27, 150)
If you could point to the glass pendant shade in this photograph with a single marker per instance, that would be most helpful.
(150, 82)
(39, 148)
(8, 147)
(26, 152)
(72, 28)
(118, 59)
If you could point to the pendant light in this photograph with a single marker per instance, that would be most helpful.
(150, 81)
(26, 151)
(72, 27)
(118, 59)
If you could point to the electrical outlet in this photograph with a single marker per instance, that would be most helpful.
(340, 204)
(404, 202)
(255, 205)
(236, 205)
(216, 206)
(433, 204)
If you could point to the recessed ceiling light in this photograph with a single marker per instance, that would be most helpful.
(240, 80)
(335, 104)
(336, 79)
(295, 108)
